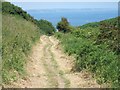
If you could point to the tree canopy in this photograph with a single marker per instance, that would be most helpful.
(46, 27)
(63, 25)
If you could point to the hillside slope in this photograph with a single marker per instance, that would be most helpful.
(18, 36)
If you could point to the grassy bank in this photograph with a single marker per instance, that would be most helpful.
(97, 58)
(18, 36)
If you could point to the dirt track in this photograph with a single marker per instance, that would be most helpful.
(49, 67)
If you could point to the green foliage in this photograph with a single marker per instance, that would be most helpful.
(18, 36)
(93, 25)
(97, 58)
(109, 34)
(63, 25)
(88, 33)
(46, 27)
(9, 8)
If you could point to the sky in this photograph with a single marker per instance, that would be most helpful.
(65, 5)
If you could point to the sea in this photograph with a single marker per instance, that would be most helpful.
(76, 17)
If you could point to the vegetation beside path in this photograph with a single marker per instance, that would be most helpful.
(96, 48)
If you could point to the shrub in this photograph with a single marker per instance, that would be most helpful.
(46, 27)
(9, 8)
(63, 25)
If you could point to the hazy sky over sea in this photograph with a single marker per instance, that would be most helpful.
(78, 12)
(65, 5)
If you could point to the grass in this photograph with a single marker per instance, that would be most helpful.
(50, 73)
(18, 36)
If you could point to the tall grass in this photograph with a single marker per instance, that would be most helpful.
(98, 59)
(18, 36)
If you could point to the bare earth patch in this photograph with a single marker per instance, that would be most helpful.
(49, 67)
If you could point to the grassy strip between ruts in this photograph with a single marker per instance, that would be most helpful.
(60, 72)
(50, 74)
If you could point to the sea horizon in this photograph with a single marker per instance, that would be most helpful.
(76, 17)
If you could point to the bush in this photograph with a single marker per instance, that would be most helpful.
(9, 8)
(109, 34)
(63, 25)
(46, 27)
(99, 60)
